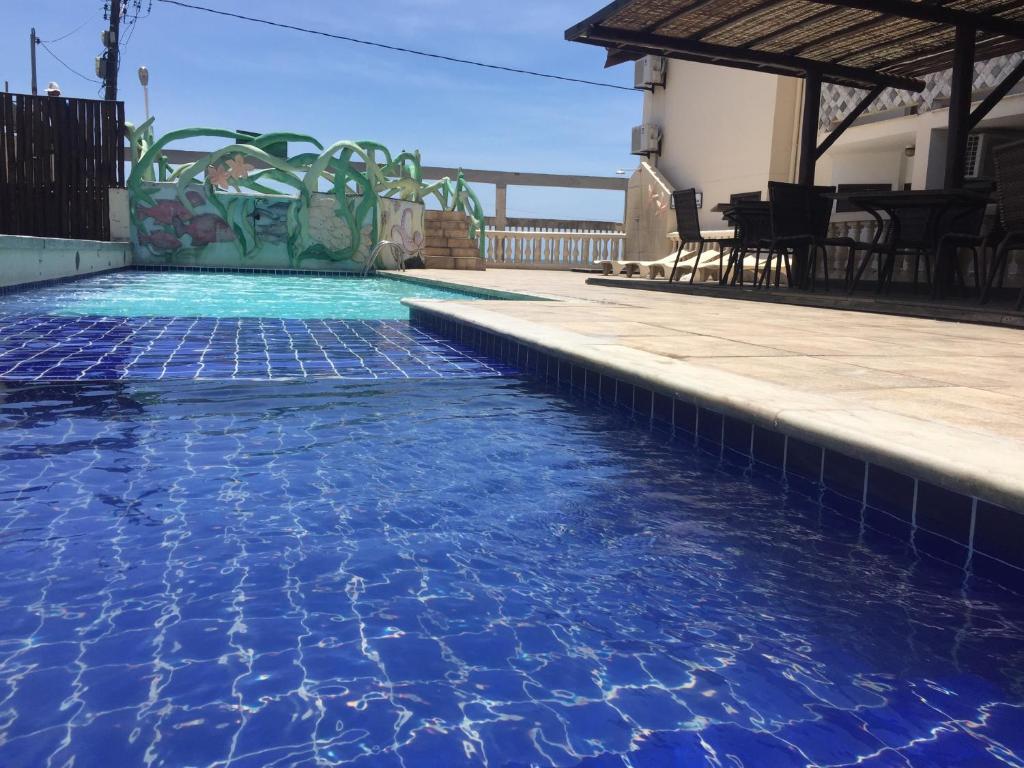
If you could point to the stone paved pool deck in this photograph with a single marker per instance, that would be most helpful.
(938, 400)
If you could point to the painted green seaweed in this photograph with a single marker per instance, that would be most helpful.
(356, 191)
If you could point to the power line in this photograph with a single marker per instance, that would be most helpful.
(395, 47)
(69, 34)
(65, 65)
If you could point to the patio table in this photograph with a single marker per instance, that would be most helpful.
(936, 202)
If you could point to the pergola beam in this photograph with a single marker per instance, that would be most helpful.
(961, 90)
(724, 54)
(938, 14)
(849, 120)
(809, 128)
(996, 95)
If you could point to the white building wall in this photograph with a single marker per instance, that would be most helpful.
(724, 130)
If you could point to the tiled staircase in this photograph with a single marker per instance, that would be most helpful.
(448, 244)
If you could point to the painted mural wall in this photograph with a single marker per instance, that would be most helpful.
(256, 204)
(221, 229)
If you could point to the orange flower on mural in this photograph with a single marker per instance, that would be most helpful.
(238, 168)
(217, 176)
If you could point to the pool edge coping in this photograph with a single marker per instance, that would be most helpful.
(823, 421)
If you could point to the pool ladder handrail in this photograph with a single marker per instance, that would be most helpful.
(378, 249)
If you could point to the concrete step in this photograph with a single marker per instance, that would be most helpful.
(439, 262)
(432, 241)
(465, 262)
(437, 251)
(464, 250)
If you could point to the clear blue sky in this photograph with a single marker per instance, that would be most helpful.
(218, 72)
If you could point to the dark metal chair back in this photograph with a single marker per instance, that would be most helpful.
(687, 218)
(798, 210)
(1010, 185)
(753, 226)
(745, 197)
(968, 220)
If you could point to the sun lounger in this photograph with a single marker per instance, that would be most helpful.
(655, 267)
(708, 261)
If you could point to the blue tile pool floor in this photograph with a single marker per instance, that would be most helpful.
(262, 540)
(55, 348)
(464, 572)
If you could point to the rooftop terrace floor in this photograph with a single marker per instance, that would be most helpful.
(938, 399)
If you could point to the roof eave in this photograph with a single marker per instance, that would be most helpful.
(741, 58)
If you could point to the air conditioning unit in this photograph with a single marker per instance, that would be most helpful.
(650, 73)
(646, 140)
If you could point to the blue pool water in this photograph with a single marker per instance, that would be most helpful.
(457, 573)
(296, 541)
(216, 294)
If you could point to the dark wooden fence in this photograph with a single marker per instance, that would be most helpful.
(58, 159)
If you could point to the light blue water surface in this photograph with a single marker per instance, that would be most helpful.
(214, 294)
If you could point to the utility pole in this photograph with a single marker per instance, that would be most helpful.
(33, 41)
(112, 50)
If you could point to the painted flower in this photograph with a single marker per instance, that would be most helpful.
(217, 176)
(411, 242)
(659, 202)
(238, 168)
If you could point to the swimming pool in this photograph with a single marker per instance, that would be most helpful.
(131, 293)
(465, 571)
(134, 325)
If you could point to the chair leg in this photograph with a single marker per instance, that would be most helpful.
(789, 271)
(863, 268)
(766, 272)
(675, 265)
(998, 267)
(885, 268)
(696, 262)
(824, 266)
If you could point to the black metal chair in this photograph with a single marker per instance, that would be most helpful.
(908, 233)
(960, 228)
(688, 228)
(1010, 194)
(800, 217)
(753, 231)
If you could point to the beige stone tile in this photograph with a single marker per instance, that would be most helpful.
(973, 409)
(683, 346)
(814, 374)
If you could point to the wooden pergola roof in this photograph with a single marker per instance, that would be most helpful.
(862, 43)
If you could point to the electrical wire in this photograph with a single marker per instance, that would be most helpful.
(65, 65)
(79, 28)
(396, 48)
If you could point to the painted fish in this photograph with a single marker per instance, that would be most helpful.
(204, 229)
(164, 212)
(160, 240)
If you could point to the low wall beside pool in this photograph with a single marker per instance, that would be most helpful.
(196, 226)
(27, 260)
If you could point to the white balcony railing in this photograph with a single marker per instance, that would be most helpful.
(551, 249)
